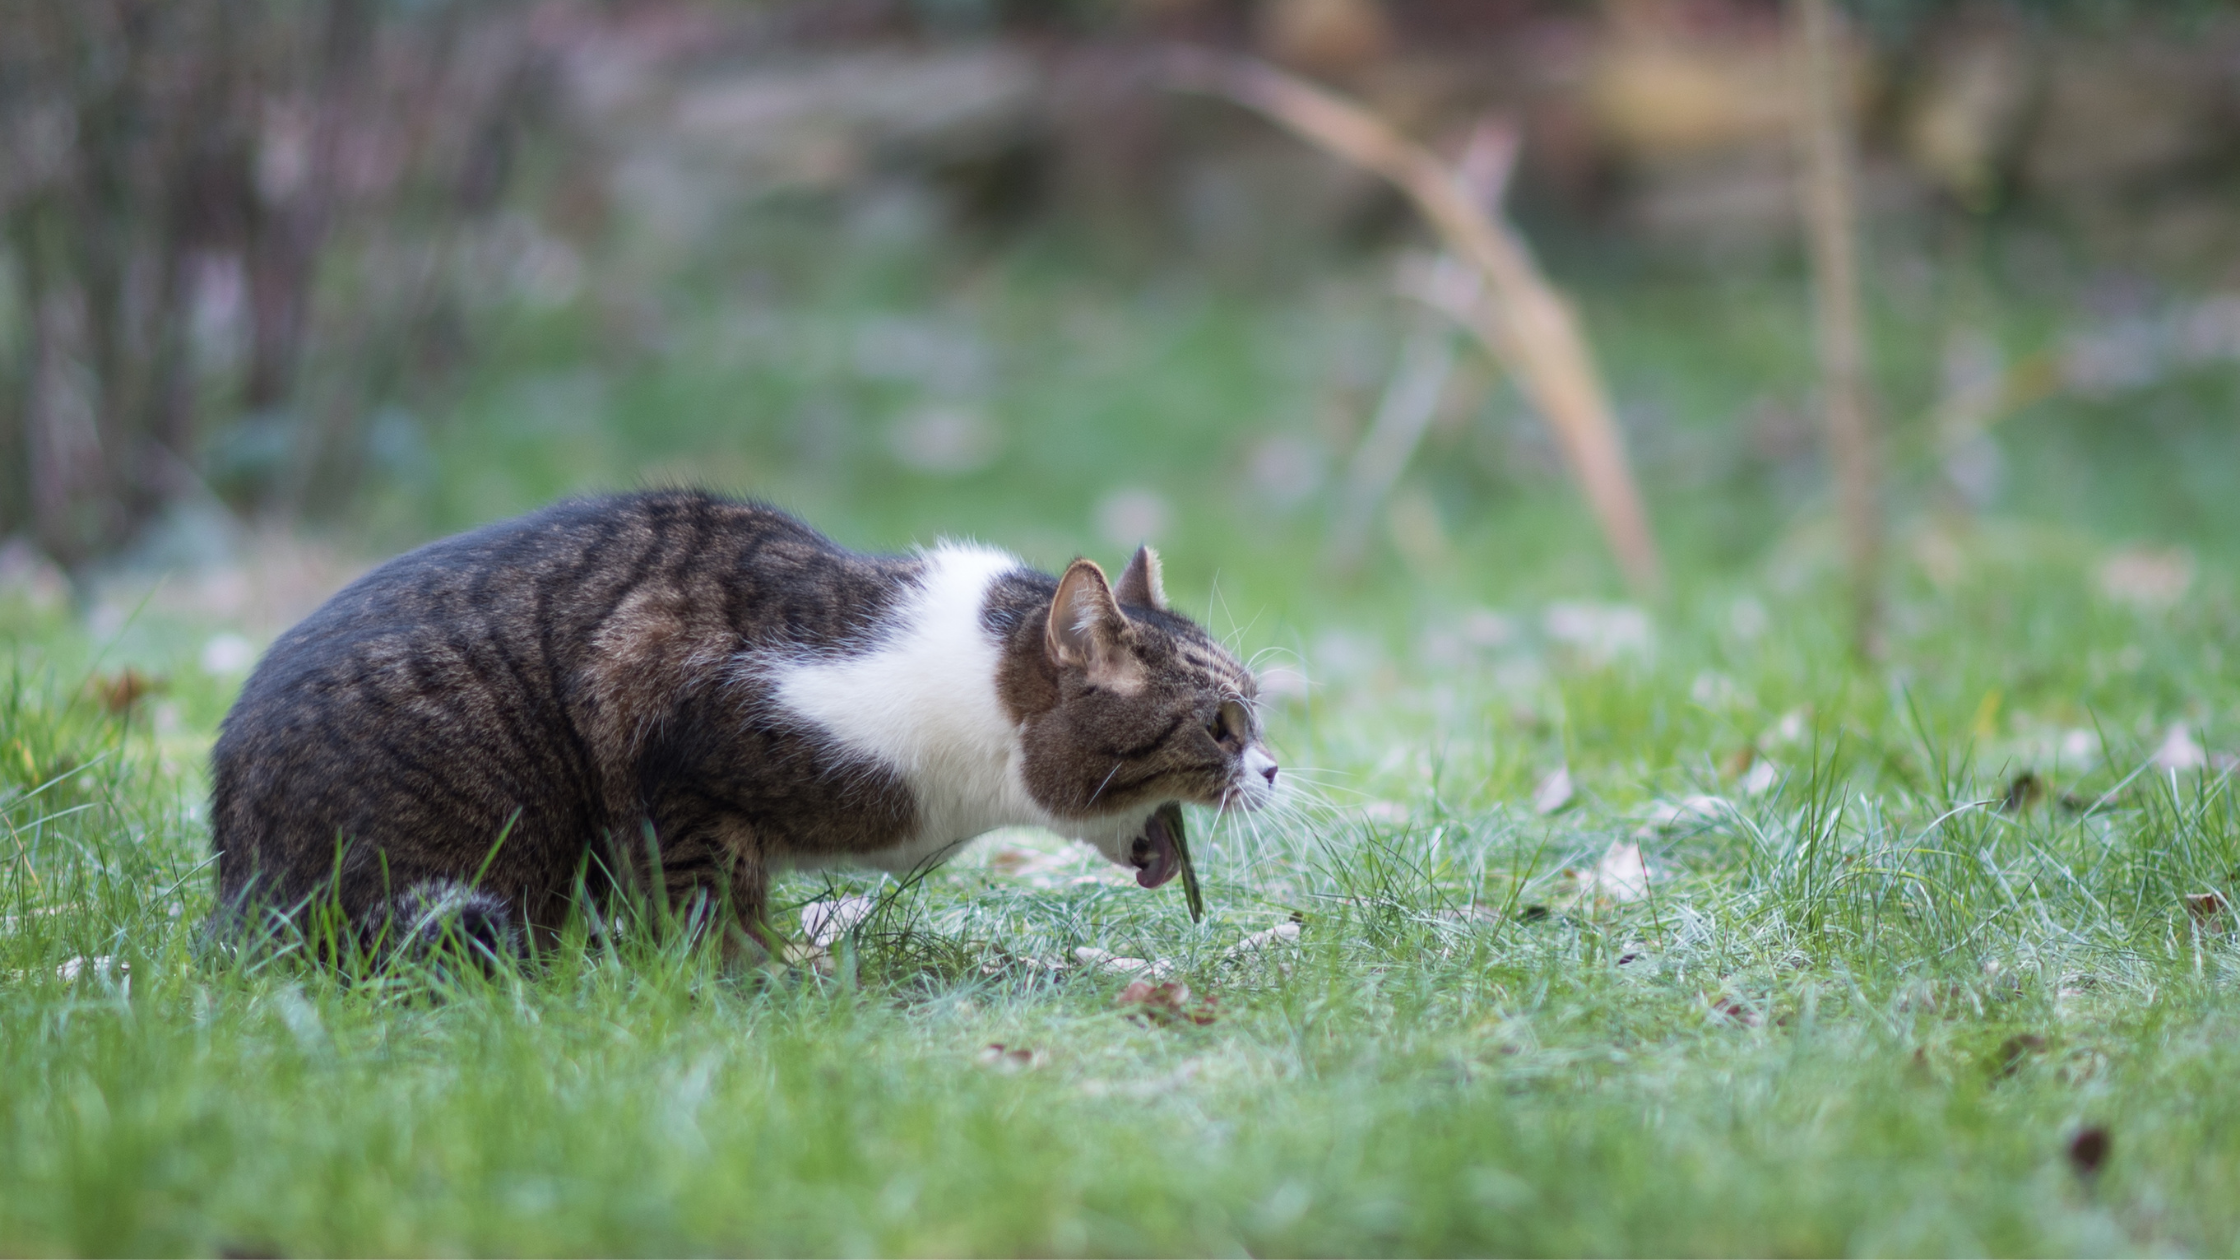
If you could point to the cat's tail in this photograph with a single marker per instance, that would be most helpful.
(427, 922)
(443, 916)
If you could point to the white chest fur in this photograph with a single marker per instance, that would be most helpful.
(924, 704)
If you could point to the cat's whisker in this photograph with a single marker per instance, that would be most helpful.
(1291, 658)
(1215, 600)
(1256, 845)
(1276, 828)
(1325, 793)
(1099, 793)
(1306, 815)
(1320, 810)
(1237, 634)
(1314, 774)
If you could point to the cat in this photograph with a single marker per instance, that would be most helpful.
(684, 693)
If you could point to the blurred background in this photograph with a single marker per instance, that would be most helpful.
(286, 287)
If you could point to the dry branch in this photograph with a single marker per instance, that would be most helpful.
(1527, 325)
(1409, 402)
(1452, 293)
(1830, 202)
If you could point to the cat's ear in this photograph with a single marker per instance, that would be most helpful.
(1139, 582)
(1087, 628)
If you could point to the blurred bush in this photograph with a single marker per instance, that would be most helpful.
(230, 226)
(249, 245)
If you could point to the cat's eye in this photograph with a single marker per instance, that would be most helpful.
(1229, 722)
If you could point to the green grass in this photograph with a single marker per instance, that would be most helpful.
(1863, 1010)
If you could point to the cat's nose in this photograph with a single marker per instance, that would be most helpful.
(1258, 762)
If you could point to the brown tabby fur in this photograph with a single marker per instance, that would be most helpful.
(577, 698)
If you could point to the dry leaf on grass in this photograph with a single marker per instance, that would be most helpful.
(815, 957)
(1105, 960)
(1738, 763)
(2016, 1051)
(1167, 1002)
(120, 691)
(825, 922)
(1689, 811)
(1621, 875)
(1277, 937)
(2208, 910)
(1009, 1058)
(1750, 771)
(2179, 751)
(1553, 793)
(2088, 1150)
(1273, 949)
(1760, 778)
(2145, 578)
(1734, 1011)
(2026, 789)
(995, 960)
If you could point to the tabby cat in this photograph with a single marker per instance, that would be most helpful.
(686, 693)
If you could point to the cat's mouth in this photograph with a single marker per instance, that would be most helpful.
(1255, 784)
(1157, 853)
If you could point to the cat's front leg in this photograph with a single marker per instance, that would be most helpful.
(749, 940)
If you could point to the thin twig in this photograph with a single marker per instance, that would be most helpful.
(1405, 412)
(1829, 200)
(1527, 325)
(1456, 293)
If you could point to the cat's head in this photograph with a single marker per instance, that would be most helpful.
(1126, 705)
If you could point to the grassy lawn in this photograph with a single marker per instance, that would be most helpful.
(1815, 958)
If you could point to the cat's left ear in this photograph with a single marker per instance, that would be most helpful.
(1088, 631)
(1139, 582)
